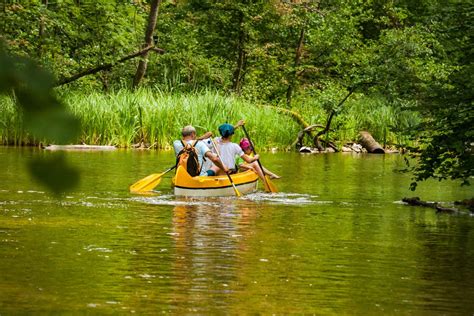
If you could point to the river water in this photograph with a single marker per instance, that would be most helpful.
(335, 240)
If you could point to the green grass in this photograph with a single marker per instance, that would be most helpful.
(11, 125)
(124, 118)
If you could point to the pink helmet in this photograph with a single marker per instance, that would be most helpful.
(245, 144)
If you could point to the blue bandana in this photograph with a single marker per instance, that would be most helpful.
(226, 130)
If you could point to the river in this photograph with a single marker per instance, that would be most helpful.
(335, 240)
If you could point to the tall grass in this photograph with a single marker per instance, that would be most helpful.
(155, 118)
(12, 131)
(390, 125)
(124, 118)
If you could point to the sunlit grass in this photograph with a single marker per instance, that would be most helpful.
(154, 118)
(11, 124)
(124, 118)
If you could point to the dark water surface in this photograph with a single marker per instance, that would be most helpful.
(336, 240)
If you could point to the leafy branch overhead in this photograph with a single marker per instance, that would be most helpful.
(44, 116)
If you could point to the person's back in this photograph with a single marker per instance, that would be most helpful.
(189, 135)
(248, 150)
(189, 158)
(229, 151)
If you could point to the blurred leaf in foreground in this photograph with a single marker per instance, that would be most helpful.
(44, 116)
(54, 172)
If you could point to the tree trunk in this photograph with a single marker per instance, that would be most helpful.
(294, 115)
(369, 143)
(291, 86)
(41, 30)
(142, 65)
(242, 58)
(104, 78)
(299, 139)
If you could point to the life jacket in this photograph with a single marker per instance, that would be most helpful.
(188, 158)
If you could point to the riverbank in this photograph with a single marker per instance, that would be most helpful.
(152, 119)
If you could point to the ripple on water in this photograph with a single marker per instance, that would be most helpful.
(259, 197)
(174, 201)
(92, 248)
(283, 198)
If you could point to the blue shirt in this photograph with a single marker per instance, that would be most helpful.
(201, 149)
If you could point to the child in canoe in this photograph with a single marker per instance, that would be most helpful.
(248, 150)
(229, 150)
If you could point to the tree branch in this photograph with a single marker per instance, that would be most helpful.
(328, 122)
(107, 66)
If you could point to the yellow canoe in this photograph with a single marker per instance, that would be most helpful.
(185, 185)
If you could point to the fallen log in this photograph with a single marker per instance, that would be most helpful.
(79, 147)
(467, 203)
(415, 201)
(369, 143)
(293, 114)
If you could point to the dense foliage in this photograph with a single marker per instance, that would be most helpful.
(409, 64)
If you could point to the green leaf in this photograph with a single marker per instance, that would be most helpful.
(54, 173)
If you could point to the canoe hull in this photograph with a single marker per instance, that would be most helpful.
(226, 191)
(185, 185)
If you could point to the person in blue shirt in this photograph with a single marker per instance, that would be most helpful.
(189, 136)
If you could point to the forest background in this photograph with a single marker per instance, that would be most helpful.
(137, 71)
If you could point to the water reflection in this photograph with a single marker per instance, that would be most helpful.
(208, 242)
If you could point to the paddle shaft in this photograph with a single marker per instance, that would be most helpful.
(253, 147)
(165, 172)
(228, 175)
(255, 153)
(169, 169)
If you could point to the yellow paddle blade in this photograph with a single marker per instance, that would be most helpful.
(146, 184)
(269, 185)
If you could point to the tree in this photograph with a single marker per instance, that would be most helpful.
(150, 29)
(447, 134)
(426, 66)
(69, 36)
(234, 32)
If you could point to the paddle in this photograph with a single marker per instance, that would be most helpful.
(269, 186)
(228, 175)
(148, 183)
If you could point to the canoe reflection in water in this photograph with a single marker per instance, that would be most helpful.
(210, 245)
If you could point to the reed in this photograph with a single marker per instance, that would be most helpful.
(390, 125)
(12, 131)
(155, 118)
